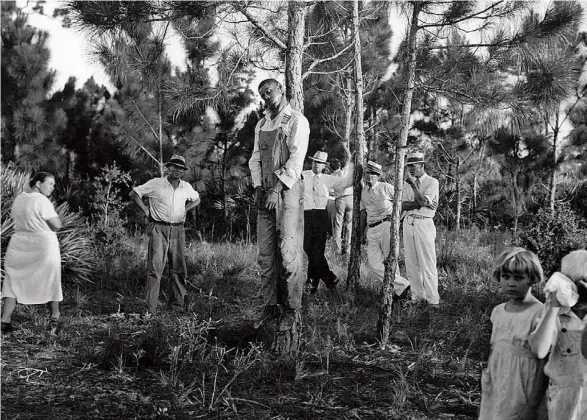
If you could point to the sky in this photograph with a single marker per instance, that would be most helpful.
(71, 53)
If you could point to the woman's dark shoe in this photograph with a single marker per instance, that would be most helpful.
(54, 327)
(7, 328)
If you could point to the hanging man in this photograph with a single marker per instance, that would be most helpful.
(316, 220)
(419, 204)
(376, 209)
(281, 142)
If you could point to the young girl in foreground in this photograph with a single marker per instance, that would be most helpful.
(513, 379)
(559, 334)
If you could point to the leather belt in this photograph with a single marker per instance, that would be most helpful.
(158, 222)
(417, 216)
(387, 219)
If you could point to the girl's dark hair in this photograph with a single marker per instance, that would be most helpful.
(41, 177)
(518, 260)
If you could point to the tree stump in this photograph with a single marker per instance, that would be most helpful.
(287, 334)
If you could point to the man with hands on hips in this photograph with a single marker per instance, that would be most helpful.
(170, 199)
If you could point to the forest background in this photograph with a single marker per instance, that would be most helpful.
(493, 92)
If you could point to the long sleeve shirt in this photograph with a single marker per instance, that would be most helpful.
(341, 192)
(429, 188)
(297, 130)
(316, 187)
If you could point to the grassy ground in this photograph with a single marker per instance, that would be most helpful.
(110, 362)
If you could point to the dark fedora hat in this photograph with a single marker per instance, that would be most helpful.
(177, 160)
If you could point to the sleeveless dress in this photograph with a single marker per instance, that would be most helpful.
(33, 258)
(507, 381)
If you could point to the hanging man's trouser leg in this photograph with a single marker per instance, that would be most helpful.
(280, 245)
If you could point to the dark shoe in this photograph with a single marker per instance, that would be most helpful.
(54, 327)
(314, 288)
(269, 312)
(7, 328)
(404, 296)
(178, 309)
(287, 319)
(331, 285)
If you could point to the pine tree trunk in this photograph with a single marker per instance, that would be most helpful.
(458, 195)
(354, 269)
(161, 165)
(295, 48)
(383, 324)
(552, 186)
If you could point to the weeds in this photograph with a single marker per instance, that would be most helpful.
(210, 362)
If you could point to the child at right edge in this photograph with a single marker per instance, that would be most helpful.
(560, 334)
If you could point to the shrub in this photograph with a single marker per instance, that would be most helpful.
(552, 235)
(77, 257)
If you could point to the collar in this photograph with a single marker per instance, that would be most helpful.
(374, 185)
(287, 110)
(169, 182)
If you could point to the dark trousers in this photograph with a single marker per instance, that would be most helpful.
(316, 224)
(166, 242)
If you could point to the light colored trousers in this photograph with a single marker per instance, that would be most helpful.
(378, 250)
(344, 220)
(280, 237)
(420, 255)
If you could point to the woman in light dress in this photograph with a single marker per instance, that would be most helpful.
(33, 258)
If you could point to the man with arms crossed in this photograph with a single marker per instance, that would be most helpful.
(419, 204)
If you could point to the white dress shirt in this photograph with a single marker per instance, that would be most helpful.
(316, 187)
(429, 189)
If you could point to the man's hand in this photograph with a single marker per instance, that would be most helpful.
(552, 300)
(271, 199)
(409, 178)
(347, 151)
(258, 197)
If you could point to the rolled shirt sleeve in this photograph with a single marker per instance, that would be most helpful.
(255, 161)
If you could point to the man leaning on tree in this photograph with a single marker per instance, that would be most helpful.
(281, 142)
(317, 186)
(376, 210)
(419, 204)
